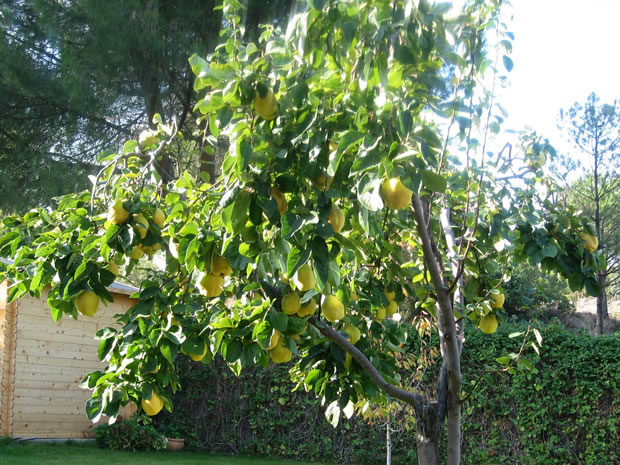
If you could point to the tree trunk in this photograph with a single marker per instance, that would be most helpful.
(427, 434)
(602, 313)
(388, 443)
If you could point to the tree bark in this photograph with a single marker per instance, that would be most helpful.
(427, 434)
(602, 313)
(449, 340)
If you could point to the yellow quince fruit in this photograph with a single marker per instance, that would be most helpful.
(290, 303)
(307, 309)
(395, 195)
(332, 308)
(591, 241)
(488, 323)
(265, 102)
(280, 354)
(117, 213)
(141, 224)
(159, 217)
(280, 200)
(498, 300)
(87, 303)
(353, 332)
(211, 285)
(153, 405)
(336, 218)
(304, 279)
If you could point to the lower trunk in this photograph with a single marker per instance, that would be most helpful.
(427, 435)
(602, 313)
(388, 444)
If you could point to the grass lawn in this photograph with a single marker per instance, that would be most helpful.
(30, 453)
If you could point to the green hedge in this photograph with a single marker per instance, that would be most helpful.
(567, 413)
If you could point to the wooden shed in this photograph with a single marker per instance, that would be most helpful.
(43, 362)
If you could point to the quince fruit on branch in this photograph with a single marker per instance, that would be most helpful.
(153, 405)
(265, 102)
(591, 241)
(395, 195)
(117, 213)
(488, 324)
(87, 303)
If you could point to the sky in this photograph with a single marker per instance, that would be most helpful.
(563, 50)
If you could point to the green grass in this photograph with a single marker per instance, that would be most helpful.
(30, 453)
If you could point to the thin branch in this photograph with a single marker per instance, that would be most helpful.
(414, 399)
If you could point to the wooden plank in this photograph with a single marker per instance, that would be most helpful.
(7, 370)
(27, 427)
(55, 377)
(35, 347)
(35, 411)
(55, 435)
(36, 315)
(57, 361)
(47, 385)
(41, 328)
(40, 396)
(67, 417)
(87, 340)
(36, 370)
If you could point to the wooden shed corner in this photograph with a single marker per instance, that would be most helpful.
(43, 362)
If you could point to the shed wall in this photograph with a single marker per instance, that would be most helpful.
(50, 361)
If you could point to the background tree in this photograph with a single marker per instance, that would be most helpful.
(337, 198)
(81, 76)
(594, 129)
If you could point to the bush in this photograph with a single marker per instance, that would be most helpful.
(566, 413)
(134, 433)
(533, 292)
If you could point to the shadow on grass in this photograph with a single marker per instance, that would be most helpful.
(30, 453)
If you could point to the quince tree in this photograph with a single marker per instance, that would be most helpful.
(358, 165)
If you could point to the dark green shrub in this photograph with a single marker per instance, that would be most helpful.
(134, 433)
(565, 413)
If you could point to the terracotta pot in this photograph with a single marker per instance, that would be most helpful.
(176, 444)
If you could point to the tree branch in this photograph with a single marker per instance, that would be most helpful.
(414, 399)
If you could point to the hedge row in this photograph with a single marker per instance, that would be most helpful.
(566, 413)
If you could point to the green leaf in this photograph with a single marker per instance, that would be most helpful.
(368, 192)
(262, 333)
(320, 255)
(296, 258)
(168, 349)
(291, 223)
(241, 211)
(278, 320)
(105, 347)
(434, 182)
(94, 407)
(244, 153)
(231, 350)
(592, 287)
(550, 250)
